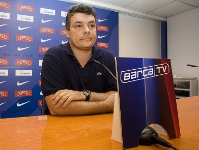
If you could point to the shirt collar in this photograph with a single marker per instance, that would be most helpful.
(96, 52)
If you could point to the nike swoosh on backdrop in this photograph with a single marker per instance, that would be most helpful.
(44, 21)
(63, 23)
(24, 48)
(19, 84)
(45, 40)
(2, 103)
(19, 105)
(1, 25)
(99, 37)
(2, 82)
(3, 46)
(63, 42)
(20, 28)
(101, 20)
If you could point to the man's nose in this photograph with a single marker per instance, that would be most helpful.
(86, 29)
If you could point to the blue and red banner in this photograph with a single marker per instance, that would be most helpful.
(27, 30)
(147, 96)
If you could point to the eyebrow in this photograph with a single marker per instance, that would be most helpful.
(81, 22)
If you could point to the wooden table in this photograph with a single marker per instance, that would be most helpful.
(89, 132)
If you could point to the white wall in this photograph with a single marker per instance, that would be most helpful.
(183, 43)
(138, 37)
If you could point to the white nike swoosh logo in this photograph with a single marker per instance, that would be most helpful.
(19, 84)
(20, 28)
(2, 82)
(19, 105)
(63, 23)
(1, 25)
(3, 46)
(45, 40)
(99, 37)
(2, 103)
(21, 49)
(64, 42)
(44, 21)
(101, 20)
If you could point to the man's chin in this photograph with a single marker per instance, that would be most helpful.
(87, 46)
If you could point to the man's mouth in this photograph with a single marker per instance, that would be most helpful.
(86, 38)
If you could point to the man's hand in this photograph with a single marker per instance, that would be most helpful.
(63, 97)
(109, 103)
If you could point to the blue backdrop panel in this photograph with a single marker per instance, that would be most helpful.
(27, 30)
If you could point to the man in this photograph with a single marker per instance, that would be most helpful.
(72, 82)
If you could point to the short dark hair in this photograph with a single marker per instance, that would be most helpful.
(79, 8)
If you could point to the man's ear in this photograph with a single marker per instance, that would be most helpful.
(67, 33)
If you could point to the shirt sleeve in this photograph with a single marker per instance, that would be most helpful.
(52, 76)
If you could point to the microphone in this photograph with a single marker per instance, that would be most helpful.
(105, 68)
(150, 136)
(192, 65)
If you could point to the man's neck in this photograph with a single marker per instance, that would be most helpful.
(82, 55)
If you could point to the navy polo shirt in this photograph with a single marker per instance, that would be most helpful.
(61, 70)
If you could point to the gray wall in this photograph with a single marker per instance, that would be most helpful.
(138, 37)
(183, 43)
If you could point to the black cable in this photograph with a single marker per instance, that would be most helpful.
(159, 140)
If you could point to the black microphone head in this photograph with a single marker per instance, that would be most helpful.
(145, 137)
(150, 136)
(192, 65)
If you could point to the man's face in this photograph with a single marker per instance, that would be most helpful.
(82, 32)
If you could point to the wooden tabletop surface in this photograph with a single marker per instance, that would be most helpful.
(91, 132)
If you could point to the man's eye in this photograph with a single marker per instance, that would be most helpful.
(78, 26)
(92, 26)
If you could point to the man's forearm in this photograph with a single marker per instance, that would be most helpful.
(100, 96)
(84, 107)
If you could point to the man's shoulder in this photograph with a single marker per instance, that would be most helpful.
(57, 49)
